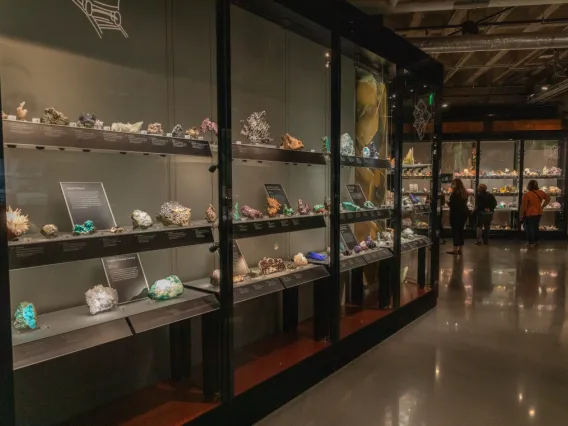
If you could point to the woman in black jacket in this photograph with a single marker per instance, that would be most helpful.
(485, 204)
(458, 214)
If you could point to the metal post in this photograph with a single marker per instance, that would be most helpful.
(7, 407)
(335, 96)
(436, 165)
(225, 178)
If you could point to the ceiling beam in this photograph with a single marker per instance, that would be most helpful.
(530, 28)
(415, 22)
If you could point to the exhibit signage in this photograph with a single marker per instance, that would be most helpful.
(348, 237)
(275, 190)
(126, 275)
(357, 195)
(88, 201)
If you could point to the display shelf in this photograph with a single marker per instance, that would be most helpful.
(465, 177)
(416, 166)
(416, 177)
(26, 134)
(365, 215)
(277, 225)
(544, 177)
(369, 163)
(268, 153)
(422, 208)
(508, 177)
(497, 194)
(72, 330)
(346, 263)
(414, 244)
(252, 288)
(506, 209)
(36, 250)
(418, 194)
(552, 210)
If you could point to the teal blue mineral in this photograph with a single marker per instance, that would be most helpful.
(369, 205)
(25, 317)
(236, 215)
(166, 289)
(349, 206)
(85, 229)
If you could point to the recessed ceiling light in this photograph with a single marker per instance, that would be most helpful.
(544, 87)
(444, 105)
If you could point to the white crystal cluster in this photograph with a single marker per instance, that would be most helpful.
(101, 299)
(255, 128)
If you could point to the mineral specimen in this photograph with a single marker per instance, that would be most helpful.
(369, 205)
(255, 128)
(325, 145)
(101, 299)
(141, 219)
(25, 317)
(346, 146)
(407, 233)
(208, 126)
(366, 152)
(270, 266)
(236, 215)
(349, 206)
(409, 158)
(173, 213)
(215, 278)
(251, 213)
(127, 127)
(303, 208)
(370, 243)
(52, 116)
(363, 245)
(357, 249)
(193, 133)
(316, 256)
(99, 125)
(166, 289)
(300, 260)
(320, 208)
(289, 142)
(85, 229)
(49, 231)
(327, 203)
(373, 150)
(116, 230)
(288, 211)
(17, 223)
(238, 278)
(272, 206)
(21, 112)
(177, 131)
(211, 214)
(155, 129)
(347, 252)
(4, 115)
(87, 120)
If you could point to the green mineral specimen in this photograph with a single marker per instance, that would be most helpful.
(319, 208)
(236, 215)
(369, 205)
(325, 145)
(166, 289)
(287, 210)
(349, 206)
(85, 229)
(25, 317)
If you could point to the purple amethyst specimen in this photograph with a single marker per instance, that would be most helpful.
(357, 249)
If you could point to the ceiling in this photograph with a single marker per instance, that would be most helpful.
(498, 73)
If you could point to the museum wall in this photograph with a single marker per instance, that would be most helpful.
(164, 71)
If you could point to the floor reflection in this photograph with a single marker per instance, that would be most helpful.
(494, 352)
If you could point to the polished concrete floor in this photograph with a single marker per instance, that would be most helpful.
(494, 352)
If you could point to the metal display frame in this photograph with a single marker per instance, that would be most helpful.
(347, 31)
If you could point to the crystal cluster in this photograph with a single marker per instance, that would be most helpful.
(141, 219)
(177, 131)
(289, 142)
(208, 126)
(173, 213)
(347, 146)
(52, 116)
(409, 158)
(86, 228)
(373, 153)
(272, 206)
(303, 208)
(17, 223)
(155, 129)
(101, 299)
(300, 260)
(25, 317)
(256, 129)
(370, 243)
(349, 206)
(211, 214)
(366, 152)
(369, 205)
(251, 213)
(270, 266)
(166, 289)
(236, 215)
(49, 231)
(408, 233)
(287, 210)
(87, 120)
(317, 256)
(325, 145)
(21, 113)
(215, 278)
(127, 127)
(116, 230)
(320, 208)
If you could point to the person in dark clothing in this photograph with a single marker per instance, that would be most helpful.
(458, 214)
(485, 204)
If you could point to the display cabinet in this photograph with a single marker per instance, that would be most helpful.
(205, 228)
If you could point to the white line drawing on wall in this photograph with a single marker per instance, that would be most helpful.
(103, 15)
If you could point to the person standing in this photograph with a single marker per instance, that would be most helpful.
(485, 204)
(459, 213)
(531, 210)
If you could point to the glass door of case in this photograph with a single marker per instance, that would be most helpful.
(499, 170)
(544, 161)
